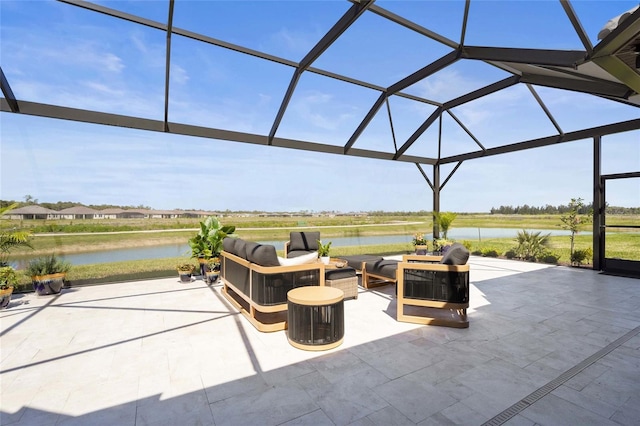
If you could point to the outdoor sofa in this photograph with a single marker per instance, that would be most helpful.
(256, 280)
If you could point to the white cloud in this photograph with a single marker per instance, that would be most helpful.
(136, 38)
(102, 88)
(110, 61)
(297, 42)
(178, 74)
(320, 110)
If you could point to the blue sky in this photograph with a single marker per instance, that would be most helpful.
(55, 53)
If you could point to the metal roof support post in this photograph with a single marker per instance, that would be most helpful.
(598, 206)
(436, 199)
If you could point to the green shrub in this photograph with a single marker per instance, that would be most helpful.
(490, 252)
(549, 257)
(477, 252)
(468, 244)
(582, 256)
(511, 254)
(47, 265)
(531, 244)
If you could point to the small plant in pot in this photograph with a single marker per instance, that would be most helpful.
(212, 272)
(323, 252)
(47, 274)
(207, 243)
(420, 243)
(441, 245)
(185, 270)
(8, 280)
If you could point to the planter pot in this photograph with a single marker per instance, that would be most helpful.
(421, 249)
(185, 277)
(45, 285)
(203, 265)
(5, 297)
(325, 259)
(212, 276)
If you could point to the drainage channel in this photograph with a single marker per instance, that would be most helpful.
(527, 401)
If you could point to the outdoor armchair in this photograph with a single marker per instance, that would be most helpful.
(301, 243)
(434, 289)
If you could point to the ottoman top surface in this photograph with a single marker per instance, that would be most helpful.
(315, 295)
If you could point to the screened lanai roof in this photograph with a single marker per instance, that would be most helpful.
(181, 70)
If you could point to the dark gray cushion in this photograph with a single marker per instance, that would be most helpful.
(339, 273)
(456, 255)
(385, 268)
(249, 247)
(356, 260)
(263, 255)
(303, 241)
(229, 245)
(240, 248)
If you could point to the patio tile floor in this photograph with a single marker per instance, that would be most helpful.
(546, 345)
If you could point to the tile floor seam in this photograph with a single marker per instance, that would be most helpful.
(539, 393)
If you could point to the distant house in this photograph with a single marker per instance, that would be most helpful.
(78, 212)
(33, 212)
(164, 214)
(190, 214)
(134, 214)
(112, 213)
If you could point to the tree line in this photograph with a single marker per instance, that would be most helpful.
(561, 209)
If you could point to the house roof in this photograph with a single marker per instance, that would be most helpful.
(113, 210)
(79, 210)
(33, 210)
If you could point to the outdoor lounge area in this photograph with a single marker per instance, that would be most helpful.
(545, 345)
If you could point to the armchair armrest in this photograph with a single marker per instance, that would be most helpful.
(420, 258)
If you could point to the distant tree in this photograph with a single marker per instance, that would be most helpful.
(573, 219)
(28, 199)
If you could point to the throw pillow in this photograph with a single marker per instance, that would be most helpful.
(300, 260)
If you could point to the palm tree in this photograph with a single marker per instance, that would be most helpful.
(531, 244)
(9, 239)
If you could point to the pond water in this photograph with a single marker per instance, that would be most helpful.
(176, 250)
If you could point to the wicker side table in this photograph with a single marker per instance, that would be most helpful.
(315, 318)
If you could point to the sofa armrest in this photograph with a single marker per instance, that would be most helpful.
(286, 248)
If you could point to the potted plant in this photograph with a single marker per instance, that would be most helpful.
(47, 274)
(207, 243)
(441, 245)
(8, 280)
(420, 244)
(185, 270)
(212, 270)
(323, 252)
